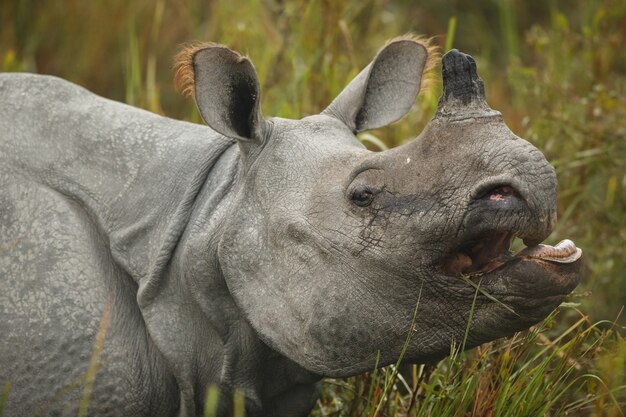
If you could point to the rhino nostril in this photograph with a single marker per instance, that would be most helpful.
(499, 193)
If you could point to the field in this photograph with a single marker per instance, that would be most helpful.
(555, 69)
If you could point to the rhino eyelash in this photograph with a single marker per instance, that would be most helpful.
(362, 196)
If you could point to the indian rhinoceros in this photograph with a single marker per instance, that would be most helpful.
(259, 254)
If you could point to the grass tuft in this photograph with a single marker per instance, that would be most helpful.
(533, 373)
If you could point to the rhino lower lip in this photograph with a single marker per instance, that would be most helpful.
(491, 251)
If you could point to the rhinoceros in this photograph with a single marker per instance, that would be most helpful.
(256, 254)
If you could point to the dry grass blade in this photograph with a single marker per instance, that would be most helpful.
(94, 364)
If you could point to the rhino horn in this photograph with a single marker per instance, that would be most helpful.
(463, 91)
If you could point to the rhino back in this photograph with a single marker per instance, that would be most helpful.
(93, 195)
(129, 169)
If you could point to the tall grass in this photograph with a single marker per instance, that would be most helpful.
(556, 70)
(535, 373)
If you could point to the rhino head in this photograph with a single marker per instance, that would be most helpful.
(337, 254)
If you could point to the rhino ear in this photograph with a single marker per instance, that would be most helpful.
(387, 88)
(226, 89)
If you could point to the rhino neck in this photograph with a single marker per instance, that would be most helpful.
(197, 326)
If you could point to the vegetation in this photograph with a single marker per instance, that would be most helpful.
(555, 69)
(526, 375)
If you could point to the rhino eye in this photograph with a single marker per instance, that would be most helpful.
(362, 196)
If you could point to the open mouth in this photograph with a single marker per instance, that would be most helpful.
(492, 250)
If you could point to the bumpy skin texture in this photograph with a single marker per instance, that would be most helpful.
(240, 258)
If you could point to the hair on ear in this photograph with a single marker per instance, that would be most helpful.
(184, 75)
(225, 87)
(433, 54)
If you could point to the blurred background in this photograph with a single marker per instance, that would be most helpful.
(555, 69)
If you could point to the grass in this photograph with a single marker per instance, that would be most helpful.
(535, 373)
(95, 363)
(5, 396)
(557, 72)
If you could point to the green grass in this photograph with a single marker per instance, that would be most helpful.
(5, 396)
(532, 374)
(555, 69)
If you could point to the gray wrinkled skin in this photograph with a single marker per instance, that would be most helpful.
(241, 258)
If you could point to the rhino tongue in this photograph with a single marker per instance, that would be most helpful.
(564, 252)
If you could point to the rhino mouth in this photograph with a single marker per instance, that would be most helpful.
(490, 252)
